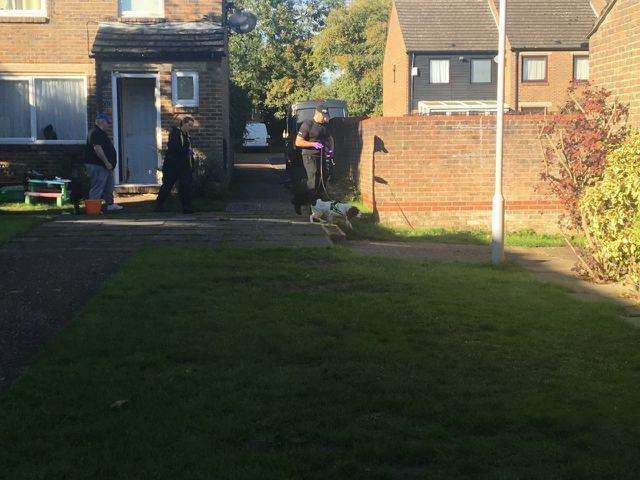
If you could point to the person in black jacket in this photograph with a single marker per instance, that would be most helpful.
(315, 141)
(177, 164)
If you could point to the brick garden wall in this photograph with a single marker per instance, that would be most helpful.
(439, 171)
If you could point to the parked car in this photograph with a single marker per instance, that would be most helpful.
(256, 136)
(298, 113)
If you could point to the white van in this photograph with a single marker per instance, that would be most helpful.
(256, 136)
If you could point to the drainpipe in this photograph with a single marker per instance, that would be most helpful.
(410, 106)
(517, 99)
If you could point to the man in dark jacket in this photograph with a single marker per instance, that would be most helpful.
(100, 161)
(314, 140)
(178, 163)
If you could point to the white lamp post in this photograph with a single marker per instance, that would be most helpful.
(497, 219)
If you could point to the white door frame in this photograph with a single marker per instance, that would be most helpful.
(116, 127)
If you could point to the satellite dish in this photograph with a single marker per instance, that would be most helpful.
(242, 21)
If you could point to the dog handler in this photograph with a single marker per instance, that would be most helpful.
(313, 137)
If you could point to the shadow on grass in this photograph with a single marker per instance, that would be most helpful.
(368, 228)
(388, 380)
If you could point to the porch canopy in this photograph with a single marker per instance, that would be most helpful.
(459, 107)
(171, 40)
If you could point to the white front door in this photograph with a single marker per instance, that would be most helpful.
(138, 131)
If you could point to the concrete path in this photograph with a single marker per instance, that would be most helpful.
(49, 274)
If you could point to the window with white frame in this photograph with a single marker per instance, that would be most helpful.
(439, 71)
(581, 68)
(185, 89)
(43, 110)
(31, 8)
(142, 8)
(534, 69)
(481, 70)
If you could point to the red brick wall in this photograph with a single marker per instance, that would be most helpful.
(553, 91)
(65, 36)
(615, 55)
(60, 44)
(211, 115)
(439, 171)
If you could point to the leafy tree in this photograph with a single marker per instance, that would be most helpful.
(239, 113)
(273, 64)
(352, 45)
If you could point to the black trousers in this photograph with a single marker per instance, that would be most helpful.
(304, 181)
(183, 176)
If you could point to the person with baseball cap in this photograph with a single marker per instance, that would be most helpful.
(100, 161)
(314, 140)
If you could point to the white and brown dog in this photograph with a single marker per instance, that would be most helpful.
(334, 211)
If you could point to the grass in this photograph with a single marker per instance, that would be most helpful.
(368, 229)
(320, 364)
(18, 218)
(39, 207)
(12, 226)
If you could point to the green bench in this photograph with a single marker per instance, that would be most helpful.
(35, 189)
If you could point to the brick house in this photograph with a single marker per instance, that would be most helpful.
(615, 53)
(62, 61)
(442, 52)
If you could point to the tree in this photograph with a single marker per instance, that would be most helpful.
(273, 64)
(352, 46)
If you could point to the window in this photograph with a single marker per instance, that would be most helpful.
(43, 110)
(581, 68)
(439, 71)
(15, 116)
(481, 71)
(534, 69)
(185, 89)
(33, 8)
(141, 8)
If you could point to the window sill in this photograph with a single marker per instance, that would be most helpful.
(132, 19)
(538, 83)
(26, 19)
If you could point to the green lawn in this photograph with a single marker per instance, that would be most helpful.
(13, 225)
(320, 364)
(368, 229)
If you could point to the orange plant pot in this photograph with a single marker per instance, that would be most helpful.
(93, 207)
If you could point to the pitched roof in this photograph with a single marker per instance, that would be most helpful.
(160, 40)
(447, 25)
(469, 25)
(549, 24)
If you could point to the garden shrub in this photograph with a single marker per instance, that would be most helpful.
(611, 208)
(575, 146)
